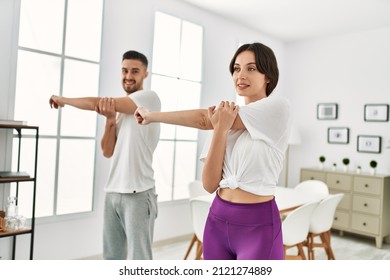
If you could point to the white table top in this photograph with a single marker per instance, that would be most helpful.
(286, 198)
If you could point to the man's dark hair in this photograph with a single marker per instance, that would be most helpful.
(136, 56)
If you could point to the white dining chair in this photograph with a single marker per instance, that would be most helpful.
(199, 213)
(321, 224)
(195, 189)
(295, 228)
(315, 188)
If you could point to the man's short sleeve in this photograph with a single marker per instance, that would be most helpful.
(146, 98)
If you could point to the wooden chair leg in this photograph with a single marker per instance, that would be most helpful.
(310, 246)
(193, 240)
(300, 255)
(325, 237)
(325, 243)
(301, 252)
(199, 251)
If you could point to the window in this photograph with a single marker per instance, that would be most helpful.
(176, 77)
(59, 53)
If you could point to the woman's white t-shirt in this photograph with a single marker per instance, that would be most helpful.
(254, 156)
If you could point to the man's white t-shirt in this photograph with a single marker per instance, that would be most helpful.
(254, 156)
(131, 164)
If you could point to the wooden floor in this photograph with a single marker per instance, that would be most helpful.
(347, 247)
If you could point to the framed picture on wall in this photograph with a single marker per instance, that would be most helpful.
(338, 135)
(327, 111)
(369, 144)
(376, 112)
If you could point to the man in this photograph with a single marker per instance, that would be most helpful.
(130, 206)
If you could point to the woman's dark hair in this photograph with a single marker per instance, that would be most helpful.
(136, 56)
(265, 62)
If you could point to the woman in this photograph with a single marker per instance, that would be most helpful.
(242, 159)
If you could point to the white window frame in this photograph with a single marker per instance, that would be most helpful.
(58, 137)
(176, 140)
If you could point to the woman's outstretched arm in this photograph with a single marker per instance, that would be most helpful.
(196, 118)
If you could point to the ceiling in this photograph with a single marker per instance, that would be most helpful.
(292, 20)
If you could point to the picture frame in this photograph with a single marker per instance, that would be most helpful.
(369, 144)
(376, 112)
(327, 111)
(338, 135)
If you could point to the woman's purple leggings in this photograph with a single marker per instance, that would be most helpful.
(241, 231)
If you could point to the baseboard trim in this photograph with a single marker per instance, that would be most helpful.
(172, 240)
(156, 244)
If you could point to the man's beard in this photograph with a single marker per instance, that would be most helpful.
(130, 90)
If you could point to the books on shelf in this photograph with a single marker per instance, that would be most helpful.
(14, 174)
(12, 122)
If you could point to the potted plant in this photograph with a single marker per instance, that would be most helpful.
(373, 165)
(322, 160)
(345, 162)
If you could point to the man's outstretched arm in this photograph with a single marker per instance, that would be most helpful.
(121, 104)
(84, 103)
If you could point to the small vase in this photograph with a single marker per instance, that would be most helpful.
(345, 168)
(372, 171)
(334, 168)
(321, 166)
(358, 170)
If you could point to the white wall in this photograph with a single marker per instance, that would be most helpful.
(350, 70)
(7, 68)
(128, 25)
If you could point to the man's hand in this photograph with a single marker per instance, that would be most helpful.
(56, 101)
(141, 115)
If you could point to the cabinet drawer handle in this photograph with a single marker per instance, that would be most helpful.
(311, 178)
(366, 185)
(365, 204)
(364, 224)
(335, 218)
(337, 182)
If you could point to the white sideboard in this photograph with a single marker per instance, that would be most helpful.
(365, 208)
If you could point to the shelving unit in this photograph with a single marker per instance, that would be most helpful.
(366, 204)
(20, 180)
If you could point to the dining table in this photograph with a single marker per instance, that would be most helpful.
(287, 199)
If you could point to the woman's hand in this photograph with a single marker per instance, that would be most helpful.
(56, 102)
(222, 118)
(106, 107)
(141, 115)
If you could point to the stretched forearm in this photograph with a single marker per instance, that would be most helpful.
(212, 169)
(191, 118)
(84, 103)
(109, 138)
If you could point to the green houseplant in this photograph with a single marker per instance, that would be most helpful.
(373, 165)
(345, 162)
(322, 160)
